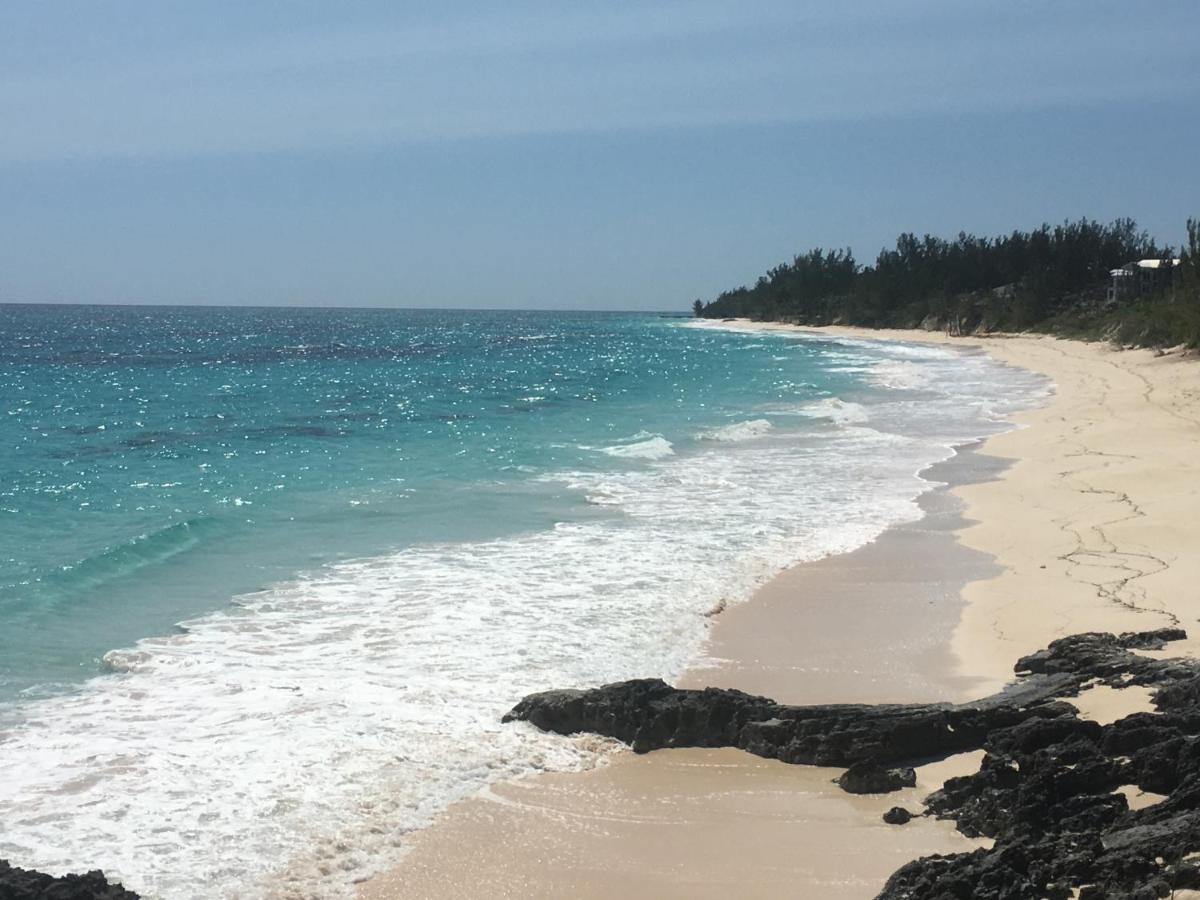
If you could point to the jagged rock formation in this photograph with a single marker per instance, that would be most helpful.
(1046, 790)
(649, 714)
(25, 884)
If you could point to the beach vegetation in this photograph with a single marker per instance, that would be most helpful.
(1057, 279)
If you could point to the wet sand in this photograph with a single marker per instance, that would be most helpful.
(868, 626)
(674, 823)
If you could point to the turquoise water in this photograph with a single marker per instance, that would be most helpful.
(269, 578)
(142, 447)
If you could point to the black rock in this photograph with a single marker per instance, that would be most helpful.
(870, 778)
(649, 714)
(897, 815)
(26, 884)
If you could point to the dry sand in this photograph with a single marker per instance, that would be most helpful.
(1097, 520)
(1094, 525)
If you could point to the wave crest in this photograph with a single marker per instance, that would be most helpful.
(643, 446)
(737, 431)
(134, 554)
(836, 410)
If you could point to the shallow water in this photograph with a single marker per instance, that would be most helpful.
(379, 529)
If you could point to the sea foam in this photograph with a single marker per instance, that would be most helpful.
(737, 431)
(836, 410)
(641, 446)
(317, 722)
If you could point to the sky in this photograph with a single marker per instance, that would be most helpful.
(609, 155)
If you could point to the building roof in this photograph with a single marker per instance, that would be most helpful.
(1130, 268)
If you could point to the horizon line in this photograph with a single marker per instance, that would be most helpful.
(137, 305)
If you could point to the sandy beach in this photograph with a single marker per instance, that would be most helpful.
(1083, 519)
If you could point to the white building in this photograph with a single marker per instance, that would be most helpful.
(1137, 278)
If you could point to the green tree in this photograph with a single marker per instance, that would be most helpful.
(1026, 279)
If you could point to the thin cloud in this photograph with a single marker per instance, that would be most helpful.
(655, 66)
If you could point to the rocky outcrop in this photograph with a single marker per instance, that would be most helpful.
(25, 884)
(1046, 790)
(649, 714)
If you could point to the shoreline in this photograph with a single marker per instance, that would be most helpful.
(1097, 475)
(1063, 563)
(880, 614)
(1094, 521)
(663, 814)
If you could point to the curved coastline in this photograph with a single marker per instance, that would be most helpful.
(870, 481)
(650, 819)
(1077, 522)
(874, 625)
(1088, 525)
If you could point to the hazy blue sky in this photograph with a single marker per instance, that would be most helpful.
(603, 155)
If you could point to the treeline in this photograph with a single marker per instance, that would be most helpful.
(1051, 279)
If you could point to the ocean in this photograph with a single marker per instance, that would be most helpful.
(270, 577)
